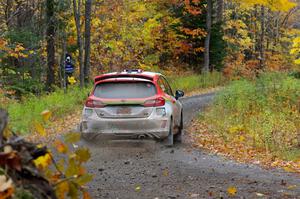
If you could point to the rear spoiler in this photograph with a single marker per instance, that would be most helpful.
(103, 77)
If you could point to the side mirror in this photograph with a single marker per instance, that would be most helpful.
(179, 94)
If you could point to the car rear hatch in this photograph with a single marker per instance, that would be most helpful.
(124, 99)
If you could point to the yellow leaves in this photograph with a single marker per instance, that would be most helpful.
(19, 48)
(61, 189)
(71, 80)
(231, 191)
(297, 61)
(275, 5)
(46, 114)
(295, 50)
(289, 169)
(39, 129)
(236, 129)
(43, 162)
(165, 173)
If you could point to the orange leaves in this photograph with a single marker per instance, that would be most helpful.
(198, 32)
(237, 147)
(232, 191)
(191, 7)
(60, 146)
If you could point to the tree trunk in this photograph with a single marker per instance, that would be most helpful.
(76, 9)
(262, 38)
(87, 36)
(3, 123)
(207, 39)
(50, 34)
(220, 10)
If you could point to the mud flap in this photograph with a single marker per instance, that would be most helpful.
(170, 139)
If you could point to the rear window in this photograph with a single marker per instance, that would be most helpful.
(128, 90)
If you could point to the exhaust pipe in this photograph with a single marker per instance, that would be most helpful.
(141, 137)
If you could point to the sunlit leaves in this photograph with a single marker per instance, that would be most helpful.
(72, 80)
(66, 173)
(295, 50)
(43, 162)
(276, 5)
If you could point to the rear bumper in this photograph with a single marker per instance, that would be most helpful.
(152, 127)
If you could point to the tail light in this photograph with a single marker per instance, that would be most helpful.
(94, 103)
(155, 102)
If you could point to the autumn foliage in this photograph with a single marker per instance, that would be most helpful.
(29, 170)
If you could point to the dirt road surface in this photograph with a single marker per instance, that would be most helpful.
(147, 169)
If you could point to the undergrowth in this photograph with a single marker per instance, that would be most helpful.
(194, 82)
(263, 113)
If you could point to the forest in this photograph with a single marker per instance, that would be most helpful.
(238, 38)
(246, 50)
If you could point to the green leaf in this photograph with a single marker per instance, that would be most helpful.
(73, 191)
(83, 154)
(72, 137)
(84, 179)
(73, 169)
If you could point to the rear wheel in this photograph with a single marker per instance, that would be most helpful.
(178, 135)
(170, 138)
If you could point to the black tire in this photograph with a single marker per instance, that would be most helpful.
(170, 138)
(178, 135)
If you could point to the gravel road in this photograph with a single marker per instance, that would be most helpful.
(147, 169)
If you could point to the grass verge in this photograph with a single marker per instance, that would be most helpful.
(256, 119)
(190, 83)
(24, 114)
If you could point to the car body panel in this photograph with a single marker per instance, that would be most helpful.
(129, 116)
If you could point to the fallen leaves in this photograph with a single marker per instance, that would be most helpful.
(231, 191)
(138, 188)
(204, 136)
